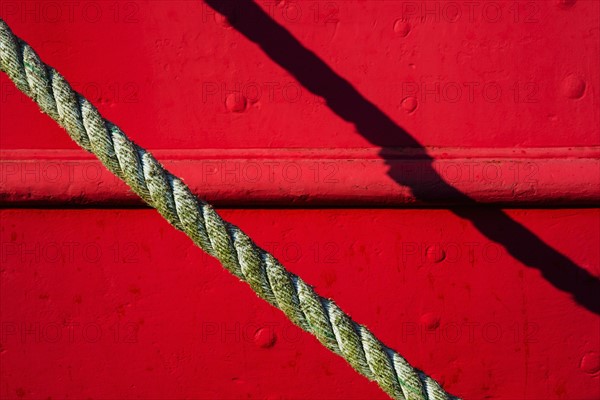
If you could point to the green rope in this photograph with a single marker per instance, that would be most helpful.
(232, 247)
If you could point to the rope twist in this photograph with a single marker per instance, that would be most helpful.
(232, 247)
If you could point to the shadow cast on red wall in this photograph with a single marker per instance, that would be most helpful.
(373, 124)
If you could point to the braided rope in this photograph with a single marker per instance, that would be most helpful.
(232, 247)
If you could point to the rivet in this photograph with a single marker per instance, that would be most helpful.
(435, 254)
(590, 363)
(265, 338)
(235, 102)
(409, 104)
(573, 86)
(401, 27)
(430, 320)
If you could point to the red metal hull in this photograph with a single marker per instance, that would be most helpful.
(432, 166)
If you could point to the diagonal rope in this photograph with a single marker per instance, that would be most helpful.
(232, 247)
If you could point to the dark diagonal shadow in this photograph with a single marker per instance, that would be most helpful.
(372, 123)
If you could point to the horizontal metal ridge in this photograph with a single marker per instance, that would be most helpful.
(319, 177)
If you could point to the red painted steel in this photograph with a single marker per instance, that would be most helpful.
(495, 304)
(318, 177)
(117, 304)
(164, 70)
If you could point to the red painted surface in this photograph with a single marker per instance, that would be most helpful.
(117, 304)
(324, 177)
(497, 101)
(163, 70)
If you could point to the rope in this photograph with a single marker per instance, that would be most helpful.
(232, 247)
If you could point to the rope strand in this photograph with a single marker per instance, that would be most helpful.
(232, 247)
